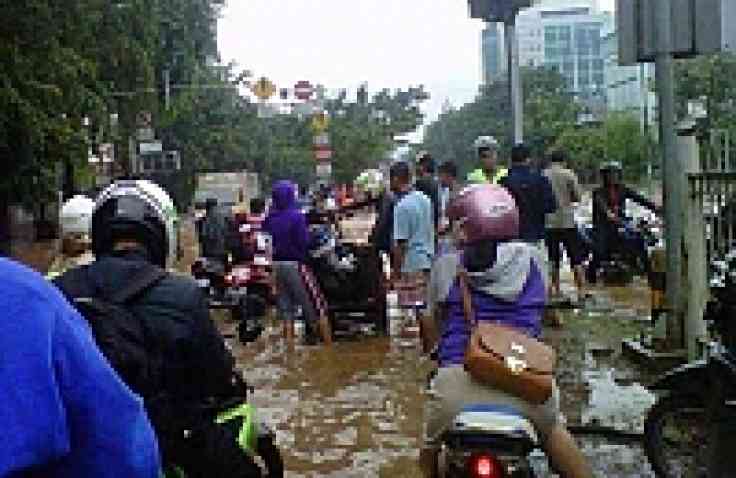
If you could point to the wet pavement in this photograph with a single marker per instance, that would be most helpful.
(355, 410)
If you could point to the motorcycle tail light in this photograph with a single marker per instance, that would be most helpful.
(229, 279)
(485, 466)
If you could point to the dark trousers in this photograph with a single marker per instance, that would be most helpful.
(609, 242)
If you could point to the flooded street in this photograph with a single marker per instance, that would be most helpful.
(355, 410)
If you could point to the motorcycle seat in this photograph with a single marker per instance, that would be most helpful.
(494, 421)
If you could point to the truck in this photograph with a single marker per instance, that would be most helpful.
(233, 190)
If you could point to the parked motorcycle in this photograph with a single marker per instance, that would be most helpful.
(690, 430)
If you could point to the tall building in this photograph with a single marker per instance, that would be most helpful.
(628, 88)
(566, 35)
(493, 52)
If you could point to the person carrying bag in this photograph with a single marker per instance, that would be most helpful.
(489, 300)
(506, 359)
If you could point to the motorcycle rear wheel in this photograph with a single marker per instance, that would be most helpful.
(676, 438)
(271, 455)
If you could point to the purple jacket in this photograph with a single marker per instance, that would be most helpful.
(287, 225)
(510, 292)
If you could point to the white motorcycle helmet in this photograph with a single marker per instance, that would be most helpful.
(137, 209)
(76, 216)
(485, 142)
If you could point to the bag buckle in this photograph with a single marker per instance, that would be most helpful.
(518, 348)
(515, 365)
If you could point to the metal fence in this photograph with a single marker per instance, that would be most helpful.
(713, 191)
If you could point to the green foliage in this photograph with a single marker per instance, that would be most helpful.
(61, 62)
(617, 138)
(550, 120)
(64, 61)
(548, 112)
(46, 85)
(713, 78)
(362, 132)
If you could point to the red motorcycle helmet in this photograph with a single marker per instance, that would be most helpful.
(486, 212)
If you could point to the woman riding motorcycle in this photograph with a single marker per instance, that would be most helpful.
(507, 287)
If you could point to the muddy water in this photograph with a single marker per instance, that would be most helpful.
(356, 410)
(351, 410)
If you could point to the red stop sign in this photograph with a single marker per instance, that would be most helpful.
(303, 90)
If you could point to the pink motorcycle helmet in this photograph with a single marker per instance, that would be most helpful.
(486, 212)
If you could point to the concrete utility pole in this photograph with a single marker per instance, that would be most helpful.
(506, 11)
(672, 171)
(514, 73)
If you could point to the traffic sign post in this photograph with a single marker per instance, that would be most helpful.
(322, 139)
(263, 89)
(324, 169)
(303, 90)
(320, 122)
(322, 153)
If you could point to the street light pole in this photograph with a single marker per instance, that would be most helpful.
(672, 171)
(514, 77)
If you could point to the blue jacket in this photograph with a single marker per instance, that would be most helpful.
(534, 197)
(64, 411)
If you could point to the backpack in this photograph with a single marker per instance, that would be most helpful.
(121, 336)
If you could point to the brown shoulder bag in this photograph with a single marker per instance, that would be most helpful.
(507, 359)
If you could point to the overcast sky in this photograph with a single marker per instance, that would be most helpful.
(342, 43)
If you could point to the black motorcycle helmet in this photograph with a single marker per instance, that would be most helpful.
(127, 212)
(611, 172)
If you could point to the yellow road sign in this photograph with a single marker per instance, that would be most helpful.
(320, 122)
(263, 88)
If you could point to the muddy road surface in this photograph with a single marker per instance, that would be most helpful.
(355, 410)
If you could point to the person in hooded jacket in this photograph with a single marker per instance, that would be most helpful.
(133, 233)
(290, 237)
(507, 287)
(64, 411)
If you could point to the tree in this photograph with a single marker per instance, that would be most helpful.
(362, 132)
(62, 62)
(711, 79)
(618, 138)
(47, 86)
(549, 111)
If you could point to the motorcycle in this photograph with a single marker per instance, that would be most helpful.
(210, 275)
(255, 275)
(487, 441)
(237, 288)
(689, 431)
(237, 420)
(627, 255)
(349, 277)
